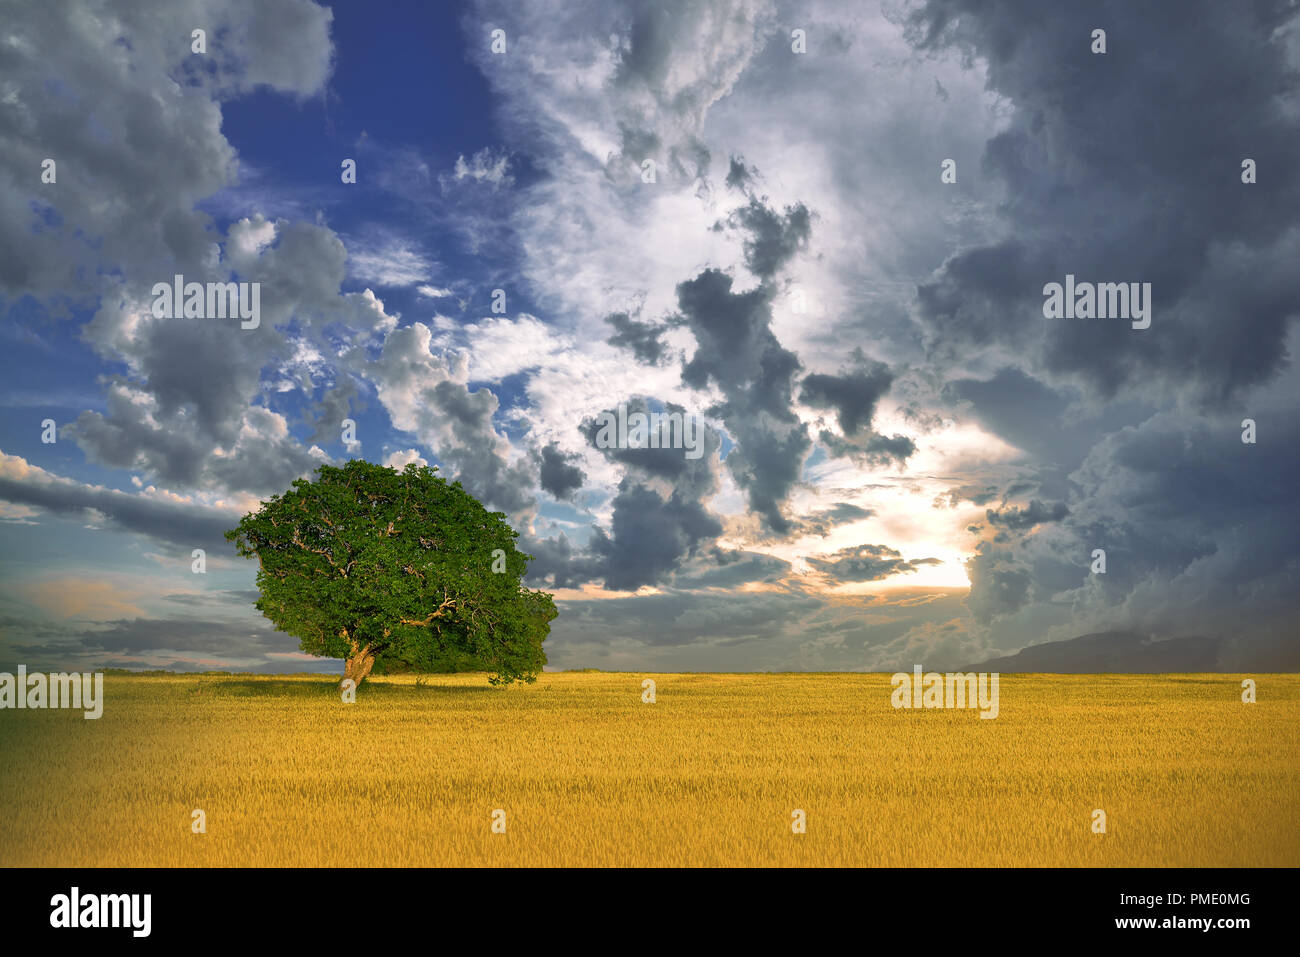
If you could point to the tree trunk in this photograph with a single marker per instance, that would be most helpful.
(359, 665)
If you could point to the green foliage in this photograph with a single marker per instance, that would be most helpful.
(399, 565)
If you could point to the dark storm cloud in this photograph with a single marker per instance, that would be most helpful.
(556, 563)
(871, 449)
(1117, 167)
(843, 512)
(643, 338)
(1196, 527)
(69, 645)
(866, 563)
(658, 521)
(683, 618)
(428, 395)
(721, 568)
(220, 639)
(659, 517)
(472, 450)
(824, 521)
(1040, 420)
(999, 584)
(737, 349)
(778, 629)
(1189, 503)
(739, 176)
(108, 92)
(665, 461)
(676, 552)
(852, 394)
(650, 535)
(103, 91)
(1017, 488)
(180, 523)
(191, 414)
(772, 239)
(111, 92)
(1111, 651)
(1036, 513)
(738, 353)
(885, 447)
(1015, 406)
(556, 473)
(199, 378)
(975, 494)
(1121, 168)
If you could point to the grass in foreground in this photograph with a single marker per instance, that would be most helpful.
(708, 775)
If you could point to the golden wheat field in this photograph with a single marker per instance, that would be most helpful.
(709, 774)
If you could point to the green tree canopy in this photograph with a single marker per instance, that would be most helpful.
(369, 564)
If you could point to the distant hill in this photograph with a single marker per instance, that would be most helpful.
(1125, 652)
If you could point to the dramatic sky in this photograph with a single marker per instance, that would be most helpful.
(906, 462)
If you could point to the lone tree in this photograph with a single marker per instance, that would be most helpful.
(369, 564)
